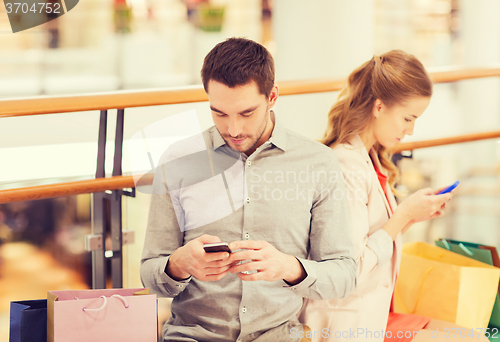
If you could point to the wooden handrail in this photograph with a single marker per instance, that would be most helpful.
(459, 74)
(142, 98)
(121, 182)
(410, 146)
(100, 101)
(71, 188)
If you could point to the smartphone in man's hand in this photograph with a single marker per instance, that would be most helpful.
(216, 247)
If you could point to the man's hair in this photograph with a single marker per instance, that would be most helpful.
(238, 61)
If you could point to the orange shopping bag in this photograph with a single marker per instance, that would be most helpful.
(440, 284)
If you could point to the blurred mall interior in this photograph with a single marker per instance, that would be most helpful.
(114, 45)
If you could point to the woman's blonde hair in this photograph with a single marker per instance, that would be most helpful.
(393, 77)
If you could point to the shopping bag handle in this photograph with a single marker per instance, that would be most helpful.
(124, 301)
(398, 300)
(465, 249)
(446, 244)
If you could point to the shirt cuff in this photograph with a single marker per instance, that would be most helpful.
(301, 289)
(174, 287)
(381, 244)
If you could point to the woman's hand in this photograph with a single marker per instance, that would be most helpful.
(421, 206)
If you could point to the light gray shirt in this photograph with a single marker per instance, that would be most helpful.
(289, 192)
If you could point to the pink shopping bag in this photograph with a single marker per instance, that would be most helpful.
(102, 315)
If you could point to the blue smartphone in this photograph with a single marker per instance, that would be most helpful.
(448, 189)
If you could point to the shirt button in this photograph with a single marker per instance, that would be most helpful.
(248, 200)
(244, 309)
(247, 236)
(249, 163)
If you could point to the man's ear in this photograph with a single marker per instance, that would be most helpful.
(273, 95)
(377, 108)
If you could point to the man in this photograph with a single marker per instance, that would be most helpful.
(275, 196)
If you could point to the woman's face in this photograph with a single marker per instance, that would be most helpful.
(391, 124)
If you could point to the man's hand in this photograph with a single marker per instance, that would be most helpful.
(192, 260)
(270, 264)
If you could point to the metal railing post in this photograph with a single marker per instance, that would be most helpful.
(116, 207)
(99, 269)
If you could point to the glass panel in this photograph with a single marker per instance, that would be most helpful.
(46, 149)
(473, 213)
(42, 248)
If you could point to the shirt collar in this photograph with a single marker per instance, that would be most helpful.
(217, 139)
(370, 156)
(376, 162)
(278, 136)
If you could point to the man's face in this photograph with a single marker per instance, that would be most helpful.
(241, 114)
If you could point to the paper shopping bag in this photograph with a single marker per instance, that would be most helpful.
(101, 316)
(443, 285)
(28, 321)
(486, 254)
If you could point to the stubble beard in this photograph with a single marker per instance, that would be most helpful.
(254, 141)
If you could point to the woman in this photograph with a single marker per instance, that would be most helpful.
(379, 106)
